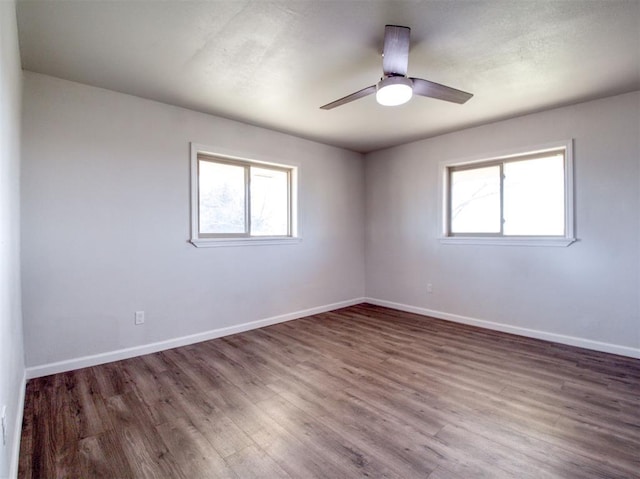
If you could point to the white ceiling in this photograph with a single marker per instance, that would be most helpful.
(274, 64)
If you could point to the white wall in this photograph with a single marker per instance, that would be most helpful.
(106, 222)
(11, 342)
(105, 193)
(588, 291)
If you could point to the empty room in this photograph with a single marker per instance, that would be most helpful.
(320, 239)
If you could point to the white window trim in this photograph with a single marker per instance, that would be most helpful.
(443, 194)
(199, 242)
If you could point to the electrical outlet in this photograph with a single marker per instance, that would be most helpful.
(3, 415)
(429, 288)
(139, 317)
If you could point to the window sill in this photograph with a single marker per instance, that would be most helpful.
(511, 241)
(254, 241)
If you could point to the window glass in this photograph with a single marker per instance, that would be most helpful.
(221, 190)
(475, 200)
(269, 202)
(534, 197)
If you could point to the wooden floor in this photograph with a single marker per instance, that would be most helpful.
(360, 392)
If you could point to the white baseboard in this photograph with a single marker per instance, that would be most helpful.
(17, 429)
(505, 328)
(102, 358)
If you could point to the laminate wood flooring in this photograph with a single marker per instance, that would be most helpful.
(364, 391)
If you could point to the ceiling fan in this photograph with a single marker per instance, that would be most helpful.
(395, 87)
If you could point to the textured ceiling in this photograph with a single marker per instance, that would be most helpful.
(274, 64)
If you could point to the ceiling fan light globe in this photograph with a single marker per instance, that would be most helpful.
(394, 91)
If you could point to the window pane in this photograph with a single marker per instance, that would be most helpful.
(269, 202)
(222, 202)
(475, 200)
(534, 197)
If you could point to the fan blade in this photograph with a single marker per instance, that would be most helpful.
(395, 53)
(441, 92)
(349, 98)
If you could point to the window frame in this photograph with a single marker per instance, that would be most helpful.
(448, 166)
(198, 239)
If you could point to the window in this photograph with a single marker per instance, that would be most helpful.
(238, 201)
(518, 198)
